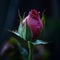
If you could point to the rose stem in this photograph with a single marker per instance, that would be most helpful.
(30, 51)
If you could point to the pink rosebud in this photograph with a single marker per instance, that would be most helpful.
(34, 22)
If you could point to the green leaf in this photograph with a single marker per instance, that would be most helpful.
(39, 42)
(17, 36)
(20, 48)
(24, 53)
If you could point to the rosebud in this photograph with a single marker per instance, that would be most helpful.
(34, 22)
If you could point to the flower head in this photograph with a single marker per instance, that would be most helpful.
(34, 22)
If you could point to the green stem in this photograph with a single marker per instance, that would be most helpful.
(30, 51)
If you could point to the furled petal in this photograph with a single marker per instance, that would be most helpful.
(34, 22)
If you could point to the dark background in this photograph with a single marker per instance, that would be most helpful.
(9, 20)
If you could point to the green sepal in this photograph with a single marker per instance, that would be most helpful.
(39, 42)
(27, 34)
(43, 18)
